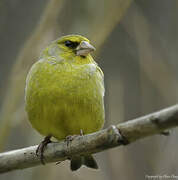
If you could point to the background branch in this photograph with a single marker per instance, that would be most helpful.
(122, 134)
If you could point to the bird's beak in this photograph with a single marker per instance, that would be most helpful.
(84, 48)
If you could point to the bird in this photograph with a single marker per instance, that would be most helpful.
(64, 94)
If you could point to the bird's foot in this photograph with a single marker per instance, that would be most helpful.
(70, 138)
(81, 132)
(41, 147)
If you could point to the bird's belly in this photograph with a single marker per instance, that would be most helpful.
(72, 118)
(63, 112)
(68, 117)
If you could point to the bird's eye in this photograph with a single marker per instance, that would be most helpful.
(68, 43)
(71, 44)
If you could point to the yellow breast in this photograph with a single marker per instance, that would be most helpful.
(62, 98)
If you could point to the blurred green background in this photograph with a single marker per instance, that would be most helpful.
(137, 48)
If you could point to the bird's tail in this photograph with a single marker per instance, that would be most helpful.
(78, 161)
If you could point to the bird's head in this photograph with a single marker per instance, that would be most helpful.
(70, 47)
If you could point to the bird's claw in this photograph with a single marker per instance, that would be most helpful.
(70, 138)
(41, 147)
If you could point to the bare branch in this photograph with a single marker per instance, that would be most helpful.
(122, 134)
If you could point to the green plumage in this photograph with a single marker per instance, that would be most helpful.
(64, 93)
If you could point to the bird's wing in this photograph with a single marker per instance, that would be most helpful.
(101, 75)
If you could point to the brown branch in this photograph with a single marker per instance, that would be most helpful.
(121, 134)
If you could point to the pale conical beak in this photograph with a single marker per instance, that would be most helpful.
(84, 48)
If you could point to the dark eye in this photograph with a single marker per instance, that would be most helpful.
(71, 44)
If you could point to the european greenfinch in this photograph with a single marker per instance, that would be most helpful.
(64, 93)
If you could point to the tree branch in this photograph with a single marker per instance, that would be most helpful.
(121, 134)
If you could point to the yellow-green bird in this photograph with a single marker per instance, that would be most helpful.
(64, 93)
